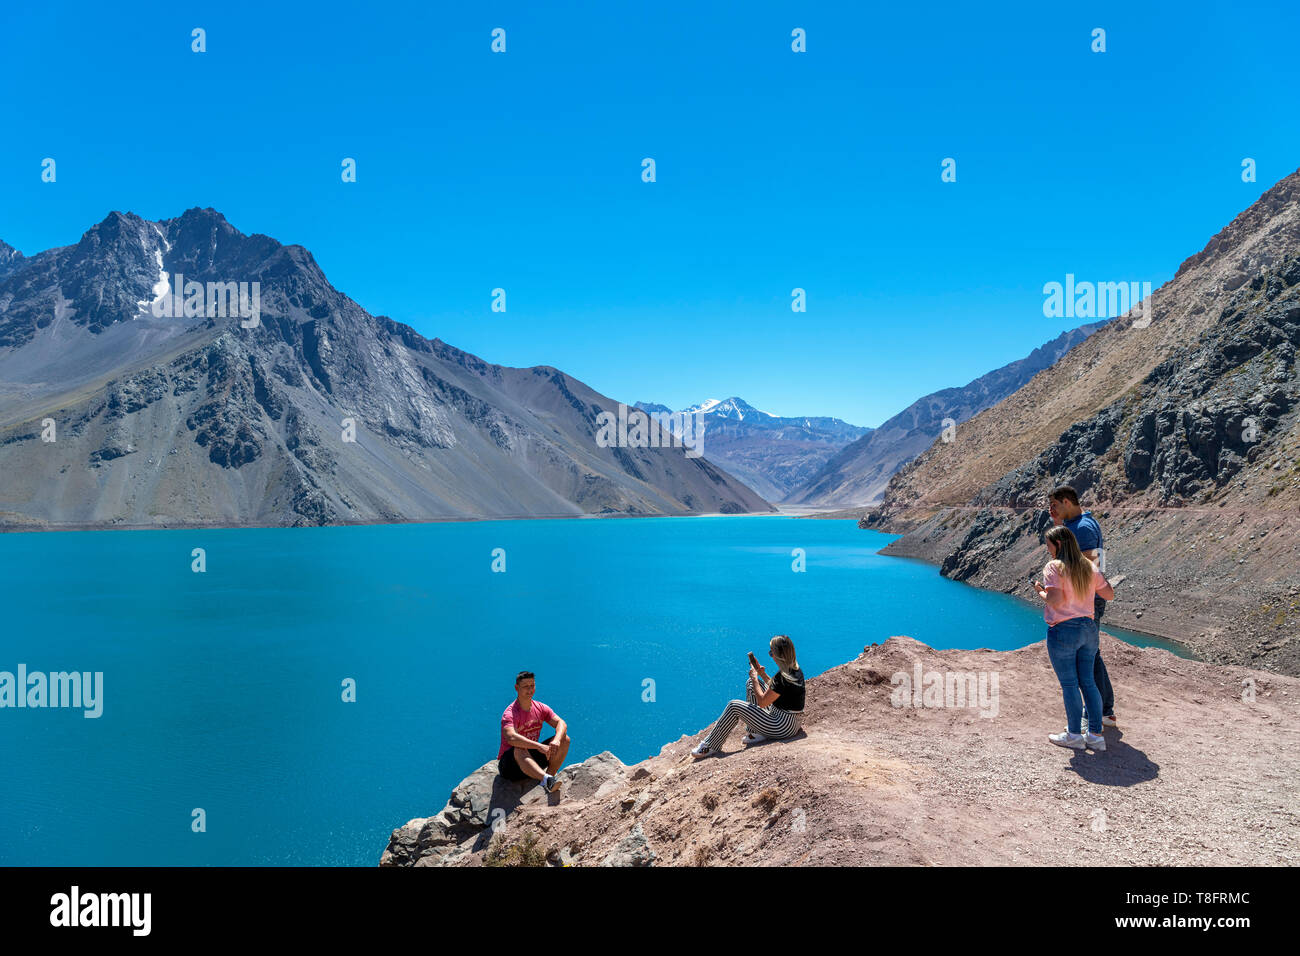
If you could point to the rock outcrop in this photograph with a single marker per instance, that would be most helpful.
(481, 804)
(953, 771)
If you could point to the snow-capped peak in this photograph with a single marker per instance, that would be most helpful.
(704, 407)
(734, 408)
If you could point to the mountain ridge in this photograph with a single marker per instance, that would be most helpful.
(318, 413)
(1180, 428)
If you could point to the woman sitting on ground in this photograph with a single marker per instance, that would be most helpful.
(773, 711)
(1069, 582)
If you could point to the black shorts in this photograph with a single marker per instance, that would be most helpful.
(511, 770)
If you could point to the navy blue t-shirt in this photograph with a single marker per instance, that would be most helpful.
(1086, 531)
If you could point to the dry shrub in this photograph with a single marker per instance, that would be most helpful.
(523, 853)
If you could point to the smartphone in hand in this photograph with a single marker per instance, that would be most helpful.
(753, 661)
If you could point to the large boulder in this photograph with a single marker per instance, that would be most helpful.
(461, 826)
(483, 801)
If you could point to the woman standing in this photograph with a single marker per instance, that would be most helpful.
(774, 714)
(1069, 582)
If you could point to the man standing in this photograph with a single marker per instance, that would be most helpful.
(521, 756)
(1063, 505)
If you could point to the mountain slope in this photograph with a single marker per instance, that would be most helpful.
(1185, 437)
(198, 420)
(771, 454)
(858, 474)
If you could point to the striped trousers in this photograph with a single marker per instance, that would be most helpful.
(770, 721)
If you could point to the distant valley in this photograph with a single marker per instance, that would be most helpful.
(773, 455)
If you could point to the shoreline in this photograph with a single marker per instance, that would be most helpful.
(39, 526)
(1206, 579)
(1192, 653)
(27, 524)
(857, 513)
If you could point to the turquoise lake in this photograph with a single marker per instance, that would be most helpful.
(223, 690)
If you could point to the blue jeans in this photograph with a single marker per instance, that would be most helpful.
(1072, 649)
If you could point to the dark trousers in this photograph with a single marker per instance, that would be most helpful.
(1099, 675)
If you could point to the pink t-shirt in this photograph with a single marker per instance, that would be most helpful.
(527, 722)
(1075, 605)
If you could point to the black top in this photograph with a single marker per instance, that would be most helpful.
(791, 691)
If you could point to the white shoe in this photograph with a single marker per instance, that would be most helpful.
(1067, 739)
(1105, 721)
(752, 739)
(1094, 742)
(702, 750)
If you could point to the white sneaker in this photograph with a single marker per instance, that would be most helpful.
(752, 739)
(1067, 739)
(1094, 742)
(702, 750)
(1105, 721)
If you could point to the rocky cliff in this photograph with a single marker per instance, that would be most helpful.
(1202, 773)
(1181, 429)
(121, 405)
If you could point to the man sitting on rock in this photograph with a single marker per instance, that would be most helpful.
(521, 756)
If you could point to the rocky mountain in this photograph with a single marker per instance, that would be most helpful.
(771, 454)
(883, 777)
(1182, 432)
(258, 394)
(859, 473)
(10, 259)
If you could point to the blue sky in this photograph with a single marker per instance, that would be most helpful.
(775, 170)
